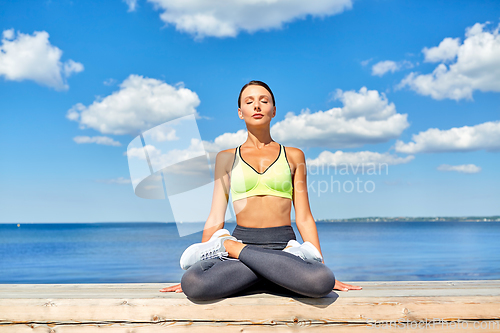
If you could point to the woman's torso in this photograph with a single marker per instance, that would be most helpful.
(263, 211)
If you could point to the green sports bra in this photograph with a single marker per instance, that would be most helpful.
(275, 180)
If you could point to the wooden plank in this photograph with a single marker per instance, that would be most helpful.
(150, 290)
(216, 328)
(263, 310)
(143, 303)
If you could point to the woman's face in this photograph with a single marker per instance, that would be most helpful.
(256, 105)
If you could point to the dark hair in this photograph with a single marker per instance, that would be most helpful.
(255, 83)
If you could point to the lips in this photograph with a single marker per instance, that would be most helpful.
(258, 115)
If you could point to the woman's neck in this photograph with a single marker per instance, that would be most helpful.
(259, 138)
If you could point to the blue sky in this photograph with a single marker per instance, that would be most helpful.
(413, 84)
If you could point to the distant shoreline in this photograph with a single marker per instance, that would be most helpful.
(418, 219)
(373, 219)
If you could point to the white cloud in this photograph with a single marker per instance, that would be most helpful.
(366, 62)
(32, 57)
(366, 117)
(100, 140)
(477, 66)
(109, 82)
(226, 141)
(464, 168)
(365, 103)
(382, 67)
(170, 157)
(71, 67)
(446, 50)
(327, 158)
(227, 18)
(162, 134)
(140, 104)
(132, 4)
(458, 139)
(8, 34)
(160, 159)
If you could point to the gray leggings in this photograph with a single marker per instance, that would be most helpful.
(262, 266)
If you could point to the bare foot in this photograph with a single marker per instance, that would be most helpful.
(233, 248)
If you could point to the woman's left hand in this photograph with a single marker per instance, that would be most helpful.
(175, 288)
(344, 286)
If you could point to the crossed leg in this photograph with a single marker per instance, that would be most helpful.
(213, 279)
(308, 278)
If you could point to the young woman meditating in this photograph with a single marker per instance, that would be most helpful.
(264, 178)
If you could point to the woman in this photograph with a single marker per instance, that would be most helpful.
(265, 178)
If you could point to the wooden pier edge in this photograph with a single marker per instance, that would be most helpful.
(441, 306)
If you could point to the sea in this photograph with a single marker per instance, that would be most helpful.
(150, 252)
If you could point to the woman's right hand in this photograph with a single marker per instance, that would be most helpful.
(176, 288)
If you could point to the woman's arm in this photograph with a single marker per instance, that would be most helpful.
(303, 216)
(215, 220)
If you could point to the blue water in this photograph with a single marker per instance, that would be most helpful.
(150, 252)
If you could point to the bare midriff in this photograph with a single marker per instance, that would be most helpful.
(263, 211)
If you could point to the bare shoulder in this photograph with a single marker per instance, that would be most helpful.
(294, 155)
(227, 153)
(225, 158)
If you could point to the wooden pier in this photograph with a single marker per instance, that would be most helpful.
(439, 306)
